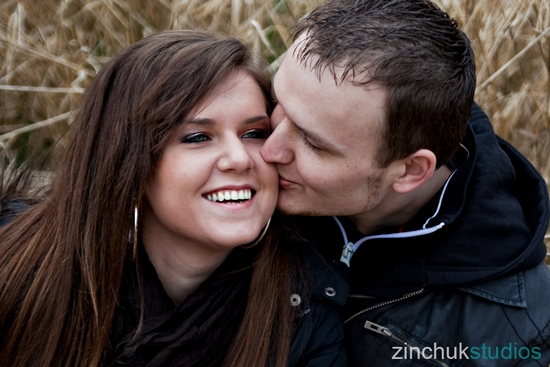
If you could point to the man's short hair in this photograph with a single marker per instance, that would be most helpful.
(412, 49)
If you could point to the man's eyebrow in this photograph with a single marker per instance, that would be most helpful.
(310, 135)
(317, 139)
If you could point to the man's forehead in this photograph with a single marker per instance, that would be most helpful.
(321, 104)
(296, 75)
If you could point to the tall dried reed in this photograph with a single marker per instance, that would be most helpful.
(50, 49)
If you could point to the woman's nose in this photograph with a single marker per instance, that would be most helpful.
(234, 156)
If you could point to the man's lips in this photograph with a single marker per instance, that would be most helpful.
(285, 184)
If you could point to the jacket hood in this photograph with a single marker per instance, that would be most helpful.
(488, 221)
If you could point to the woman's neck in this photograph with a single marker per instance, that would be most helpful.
(181, 269)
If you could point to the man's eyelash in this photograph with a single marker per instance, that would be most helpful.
(308, 143)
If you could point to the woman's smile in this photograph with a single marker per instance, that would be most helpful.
(211, 187)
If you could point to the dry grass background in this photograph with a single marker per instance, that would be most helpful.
(50, 50)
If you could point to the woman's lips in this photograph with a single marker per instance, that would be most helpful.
(230, 195)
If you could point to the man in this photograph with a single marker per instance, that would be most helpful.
(440, 222)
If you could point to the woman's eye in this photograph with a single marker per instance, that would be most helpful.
(195, 138)
(256, 134)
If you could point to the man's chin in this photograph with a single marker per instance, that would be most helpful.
(288, 206)
(299, 211)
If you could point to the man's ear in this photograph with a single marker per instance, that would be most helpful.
(416, 170)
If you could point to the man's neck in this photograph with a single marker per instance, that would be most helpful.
(397, 209)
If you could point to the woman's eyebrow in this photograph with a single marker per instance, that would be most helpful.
(209, 122)
(254, 119)
(201, 121)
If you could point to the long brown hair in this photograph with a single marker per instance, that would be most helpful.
(62, 260)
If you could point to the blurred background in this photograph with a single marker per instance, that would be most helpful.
(51, 49)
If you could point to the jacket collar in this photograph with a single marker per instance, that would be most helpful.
(508, 290)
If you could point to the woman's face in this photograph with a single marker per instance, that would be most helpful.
(211, 187)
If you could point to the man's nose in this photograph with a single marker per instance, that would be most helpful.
(277, 148)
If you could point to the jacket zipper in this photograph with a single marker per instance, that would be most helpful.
(388, 334)
(402, 298)
(383, 330)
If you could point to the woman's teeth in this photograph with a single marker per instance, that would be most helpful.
(230, 195)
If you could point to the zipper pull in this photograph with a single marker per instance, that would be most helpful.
(387, 333)
(347, 252)
(378, 329)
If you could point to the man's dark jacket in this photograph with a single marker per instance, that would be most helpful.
(463, 283)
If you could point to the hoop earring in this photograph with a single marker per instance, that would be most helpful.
(260, 237)
(135, 235)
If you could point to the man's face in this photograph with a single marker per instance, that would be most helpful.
(324, 144)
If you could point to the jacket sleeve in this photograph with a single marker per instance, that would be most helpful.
(320, 338)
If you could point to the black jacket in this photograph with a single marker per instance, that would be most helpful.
(466, 273)
(318, 341)
(185, 335)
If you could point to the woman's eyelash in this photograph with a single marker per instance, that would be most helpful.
(202, 137)
(256, 134)
(195, 138)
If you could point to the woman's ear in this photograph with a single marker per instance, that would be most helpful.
(417, 169)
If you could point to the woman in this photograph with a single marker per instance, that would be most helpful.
(152, 247)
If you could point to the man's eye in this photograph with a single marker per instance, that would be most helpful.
(308, 144)
(256, 134)
(195, 138)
